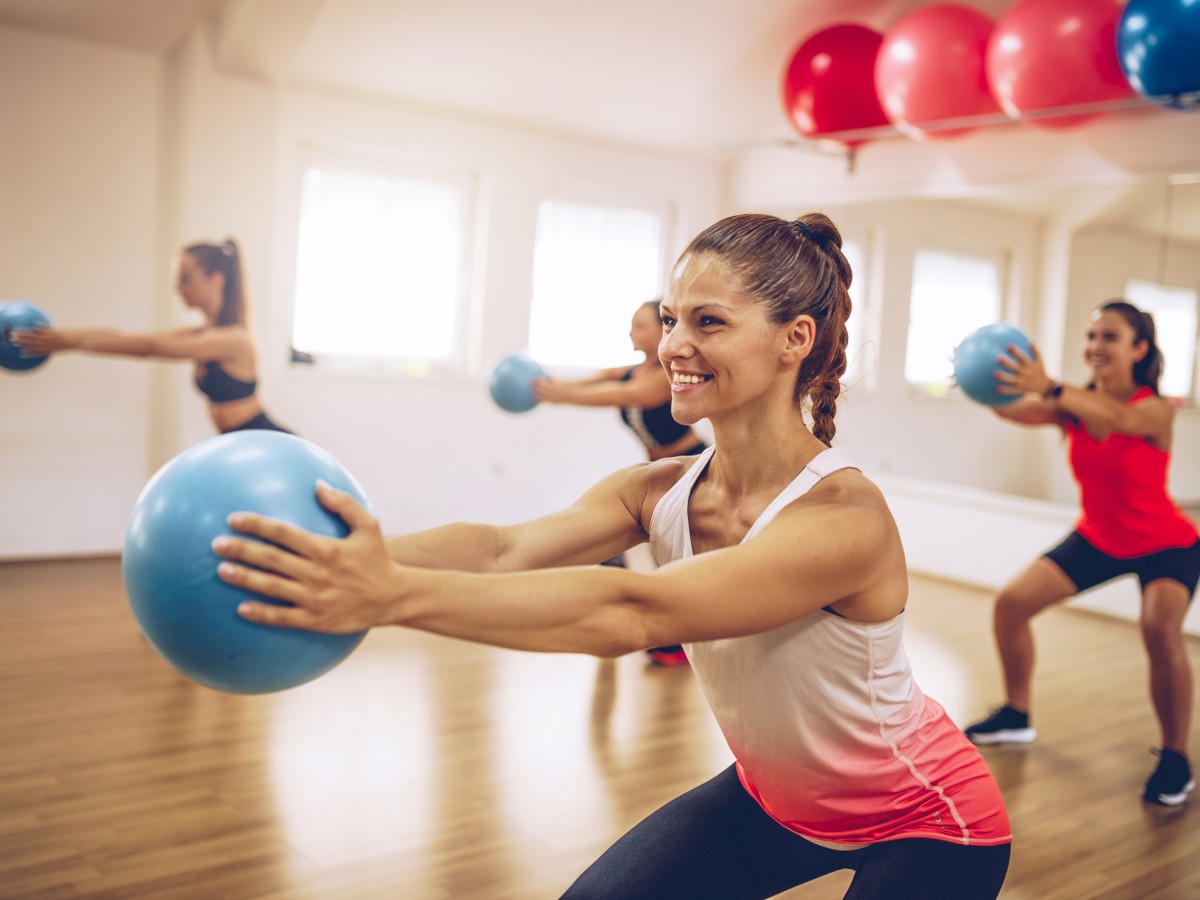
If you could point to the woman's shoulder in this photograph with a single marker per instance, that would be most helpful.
(654, 480)
(849, 487)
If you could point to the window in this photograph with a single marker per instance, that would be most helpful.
(592, 268)
(952, 295)
(380, 268)
(1175, 326)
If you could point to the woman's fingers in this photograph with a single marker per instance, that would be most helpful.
(342, 504)
(297, 540)
(257, 581)
(261, 556)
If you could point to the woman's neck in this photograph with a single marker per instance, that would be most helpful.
(1120, 388)
(761, 453)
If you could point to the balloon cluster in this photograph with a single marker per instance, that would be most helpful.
(943, 69)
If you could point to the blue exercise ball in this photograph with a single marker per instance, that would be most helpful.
(1158, 45)
(511, 384)
(186, 612)
(16, 314)
(976, 365)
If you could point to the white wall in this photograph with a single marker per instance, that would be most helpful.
(79, 192)
(984, 539)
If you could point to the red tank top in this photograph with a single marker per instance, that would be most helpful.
(1123, 489)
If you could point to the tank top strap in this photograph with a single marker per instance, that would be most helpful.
(824, 463)
(669, 534)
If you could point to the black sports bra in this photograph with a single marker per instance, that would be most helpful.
(220, 387)
(653, 425)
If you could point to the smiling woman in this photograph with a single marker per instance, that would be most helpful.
(1119, 431)
(783, 576)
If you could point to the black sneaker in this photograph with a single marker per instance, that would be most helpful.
(1171, 782)
(1004, 726)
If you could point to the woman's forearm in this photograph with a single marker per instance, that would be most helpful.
(462, 546)
(589, 609)
(87, 340)
(104, 340)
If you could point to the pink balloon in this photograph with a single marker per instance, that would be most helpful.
(829, 85)
(1045, 54)
(930, 69)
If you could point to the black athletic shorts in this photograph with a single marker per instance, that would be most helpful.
(1088, 567)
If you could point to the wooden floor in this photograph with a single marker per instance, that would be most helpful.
(427, 768)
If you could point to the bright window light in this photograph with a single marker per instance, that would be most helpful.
(379, 267)
(592, 268)
(1175, 325)
(952, 295)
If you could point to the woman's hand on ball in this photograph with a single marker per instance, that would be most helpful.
(335, 585)
(38, 341)
(1021, 373)
(548, 391)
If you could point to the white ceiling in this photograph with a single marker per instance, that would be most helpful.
(701, 76)
(698, 76)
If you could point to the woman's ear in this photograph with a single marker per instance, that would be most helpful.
(799, 337)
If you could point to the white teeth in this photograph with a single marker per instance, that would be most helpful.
(688, 379)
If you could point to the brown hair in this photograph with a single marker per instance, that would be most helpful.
(1148, 370)
(794, 268)
(225, 258)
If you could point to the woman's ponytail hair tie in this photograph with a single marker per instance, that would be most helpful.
(801, 226)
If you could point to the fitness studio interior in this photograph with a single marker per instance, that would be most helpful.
(416, 189)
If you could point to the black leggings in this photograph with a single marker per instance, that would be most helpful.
(715, 841)
(261, 422)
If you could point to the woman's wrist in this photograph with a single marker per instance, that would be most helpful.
(1053, 390)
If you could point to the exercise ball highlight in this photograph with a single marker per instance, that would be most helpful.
(15, 315)
(1046, 54)
(829, 85)
(185, 611)
(930, 73)
(976, 361)
(1158, 43)
(511, 384)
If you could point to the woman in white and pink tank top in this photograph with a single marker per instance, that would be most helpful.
(782, 574)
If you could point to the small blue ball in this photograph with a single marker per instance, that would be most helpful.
(187, 613)
(976, 366)
(16, 314)
(511, 384)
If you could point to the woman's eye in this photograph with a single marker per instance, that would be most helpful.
(666, 321)
(708, 321)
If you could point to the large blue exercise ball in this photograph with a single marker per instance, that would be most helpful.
(976, 361)
(16, 314)
(511, 384)
(186, 612)
(1158, 44)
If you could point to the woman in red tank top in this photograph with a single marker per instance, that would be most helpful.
(1119, 433)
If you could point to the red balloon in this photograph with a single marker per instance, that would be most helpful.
(829, 86)
(1045, 54)
(930, 69)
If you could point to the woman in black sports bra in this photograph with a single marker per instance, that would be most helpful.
(209, 279)
(643, 394)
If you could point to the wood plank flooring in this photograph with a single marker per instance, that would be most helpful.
(428, 768)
